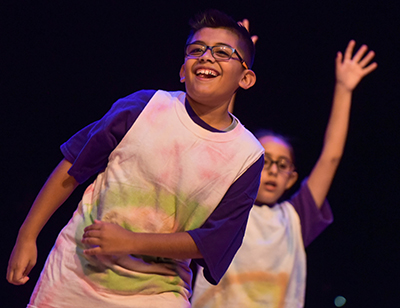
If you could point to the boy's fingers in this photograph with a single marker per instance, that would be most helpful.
(91, 241)
(10, 275)
(10, 272)
(16, 277)
(95, 226)
(28, 269)
(92, 251)
(91, 234)
(22, 280)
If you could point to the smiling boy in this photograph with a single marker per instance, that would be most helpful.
(177, 176)
(210, 84)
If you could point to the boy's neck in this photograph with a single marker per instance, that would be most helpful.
(215, 116)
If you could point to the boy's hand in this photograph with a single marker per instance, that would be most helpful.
(350, 70)
(22, 260)
(245, 23)
(107, 239)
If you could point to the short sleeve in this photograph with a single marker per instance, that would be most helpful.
(313, 220)
(88, 150)
(221, 235)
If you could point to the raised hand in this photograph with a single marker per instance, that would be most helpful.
(351, 69)
(245, 23)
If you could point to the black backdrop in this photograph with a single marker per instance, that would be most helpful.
(63, 63)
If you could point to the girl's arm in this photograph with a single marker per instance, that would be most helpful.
(55, 191)
(349, 72)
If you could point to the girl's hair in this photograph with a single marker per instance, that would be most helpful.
(260, 133)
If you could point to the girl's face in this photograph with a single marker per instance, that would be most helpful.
(274, 180)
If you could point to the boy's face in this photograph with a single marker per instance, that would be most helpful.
(214, 82)
(274, 182)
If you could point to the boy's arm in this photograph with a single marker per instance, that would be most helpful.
(55, 191)
(349, 72)
(111, 239)
(213, 245)
(216, 241)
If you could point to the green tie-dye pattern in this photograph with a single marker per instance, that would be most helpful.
(160, 178)
(156, 210)
(172, 213)
(144, 284)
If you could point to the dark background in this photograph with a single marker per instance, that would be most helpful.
(63, 63)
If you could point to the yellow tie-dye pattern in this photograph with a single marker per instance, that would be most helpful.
(261, 289)
(161, 179)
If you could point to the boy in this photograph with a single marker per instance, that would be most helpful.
(172, 186)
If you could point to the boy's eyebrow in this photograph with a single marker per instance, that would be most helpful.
(216, 44)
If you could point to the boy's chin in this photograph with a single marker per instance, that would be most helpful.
(206, 98)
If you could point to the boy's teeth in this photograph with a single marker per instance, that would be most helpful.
(206, 72)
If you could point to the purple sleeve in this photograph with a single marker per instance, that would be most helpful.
(221, 235)
(313, 220)
(88, 149)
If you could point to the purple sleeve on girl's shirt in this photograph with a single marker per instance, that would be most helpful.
(221, 235)
(313, 220)
(88, 149)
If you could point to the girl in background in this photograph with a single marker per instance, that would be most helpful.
(269, 270)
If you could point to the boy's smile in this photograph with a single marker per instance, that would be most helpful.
(206, 73)
(210, 82)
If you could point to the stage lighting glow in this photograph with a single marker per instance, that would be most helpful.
(340, 301)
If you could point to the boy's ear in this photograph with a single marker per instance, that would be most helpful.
(248, 80)
(292, 179)
(182, 73)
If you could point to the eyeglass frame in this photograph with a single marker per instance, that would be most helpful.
(234, 51)
(291, 165)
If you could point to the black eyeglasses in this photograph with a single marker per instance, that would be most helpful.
(219, 52)
(284, 165)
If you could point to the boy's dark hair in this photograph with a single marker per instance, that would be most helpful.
(213, 18)
(267, 132)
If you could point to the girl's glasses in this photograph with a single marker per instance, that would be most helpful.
(283, 164)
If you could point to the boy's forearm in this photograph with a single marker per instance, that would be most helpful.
(54, 192)
(169, 245)
(111, 239)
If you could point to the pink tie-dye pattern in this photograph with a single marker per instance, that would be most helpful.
(166, 175)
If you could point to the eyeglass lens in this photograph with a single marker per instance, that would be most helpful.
(218, 52)
(283, 164)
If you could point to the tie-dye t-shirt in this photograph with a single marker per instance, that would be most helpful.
(167, 174)
(269, 269)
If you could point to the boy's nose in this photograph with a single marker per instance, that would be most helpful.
(207, 56)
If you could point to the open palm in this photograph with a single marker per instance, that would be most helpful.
(350, 70)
